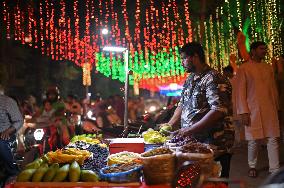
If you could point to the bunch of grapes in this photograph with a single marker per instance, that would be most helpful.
(180, 141)
(98, 160)
(176, 139)
(79, 145)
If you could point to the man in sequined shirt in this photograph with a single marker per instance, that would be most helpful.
(205, 107)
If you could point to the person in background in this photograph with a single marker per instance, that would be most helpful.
(102, 117)
(53, 96)
(11, 120)
(47, 113)
(119, 106)
(25, 108)
(257, 106)
(205, 106)
(60, 131)
(132, 109)
(140, 106)
(228, 72)
(112, 116)
(32, 105)
(72, 105)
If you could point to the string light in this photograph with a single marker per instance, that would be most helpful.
(188, 22)
(5, 18)
(41, 29)
(239, 16)
(86, 74)
(52, 33)
(153, 42)
(206, 33)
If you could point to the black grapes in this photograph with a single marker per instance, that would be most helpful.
(180, 141)
(98, 160)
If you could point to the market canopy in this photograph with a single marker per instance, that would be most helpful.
(152, 31)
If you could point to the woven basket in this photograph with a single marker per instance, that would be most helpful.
(159, 169)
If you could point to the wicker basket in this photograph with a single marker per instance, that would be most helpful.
(159, 169)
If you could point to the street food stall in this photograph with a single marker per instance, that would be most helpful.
(151, 161)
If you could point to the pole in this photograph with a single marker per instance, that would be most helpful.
(87, 91)
(125, 132)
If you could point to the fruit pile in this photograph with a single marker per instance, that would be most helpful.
(157, 151)
(82, 145)
(87, 138)
(92, 144)
(78, 161)
(99, 158)
(123, 157)
(180, 141)
(196, 148)
(68, 155)
(153, 137)
(165, 129)
(40, 171)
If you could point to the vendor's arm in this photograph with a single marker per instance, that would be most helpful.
(212, 117)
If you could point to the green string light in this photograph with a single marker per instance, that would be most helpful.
(220, 41)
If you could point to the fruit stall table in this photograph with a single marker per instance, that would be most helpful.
(82, 185)
(158, 166)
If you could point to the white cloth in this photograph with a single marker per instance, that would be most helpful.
(256, 94)
(239, 128)
(272, 150)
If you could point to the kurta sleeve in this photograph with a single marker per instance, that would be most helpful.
(241, 92)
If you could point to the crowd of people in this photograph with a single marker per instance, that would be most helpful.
(57, 116)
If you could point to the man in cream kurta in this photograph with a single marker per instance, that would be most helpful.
(257, 104)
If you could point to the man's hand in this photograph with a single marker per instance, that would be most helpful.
(163, 124)
(183, 132)
(5, 135)
(245, 119)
